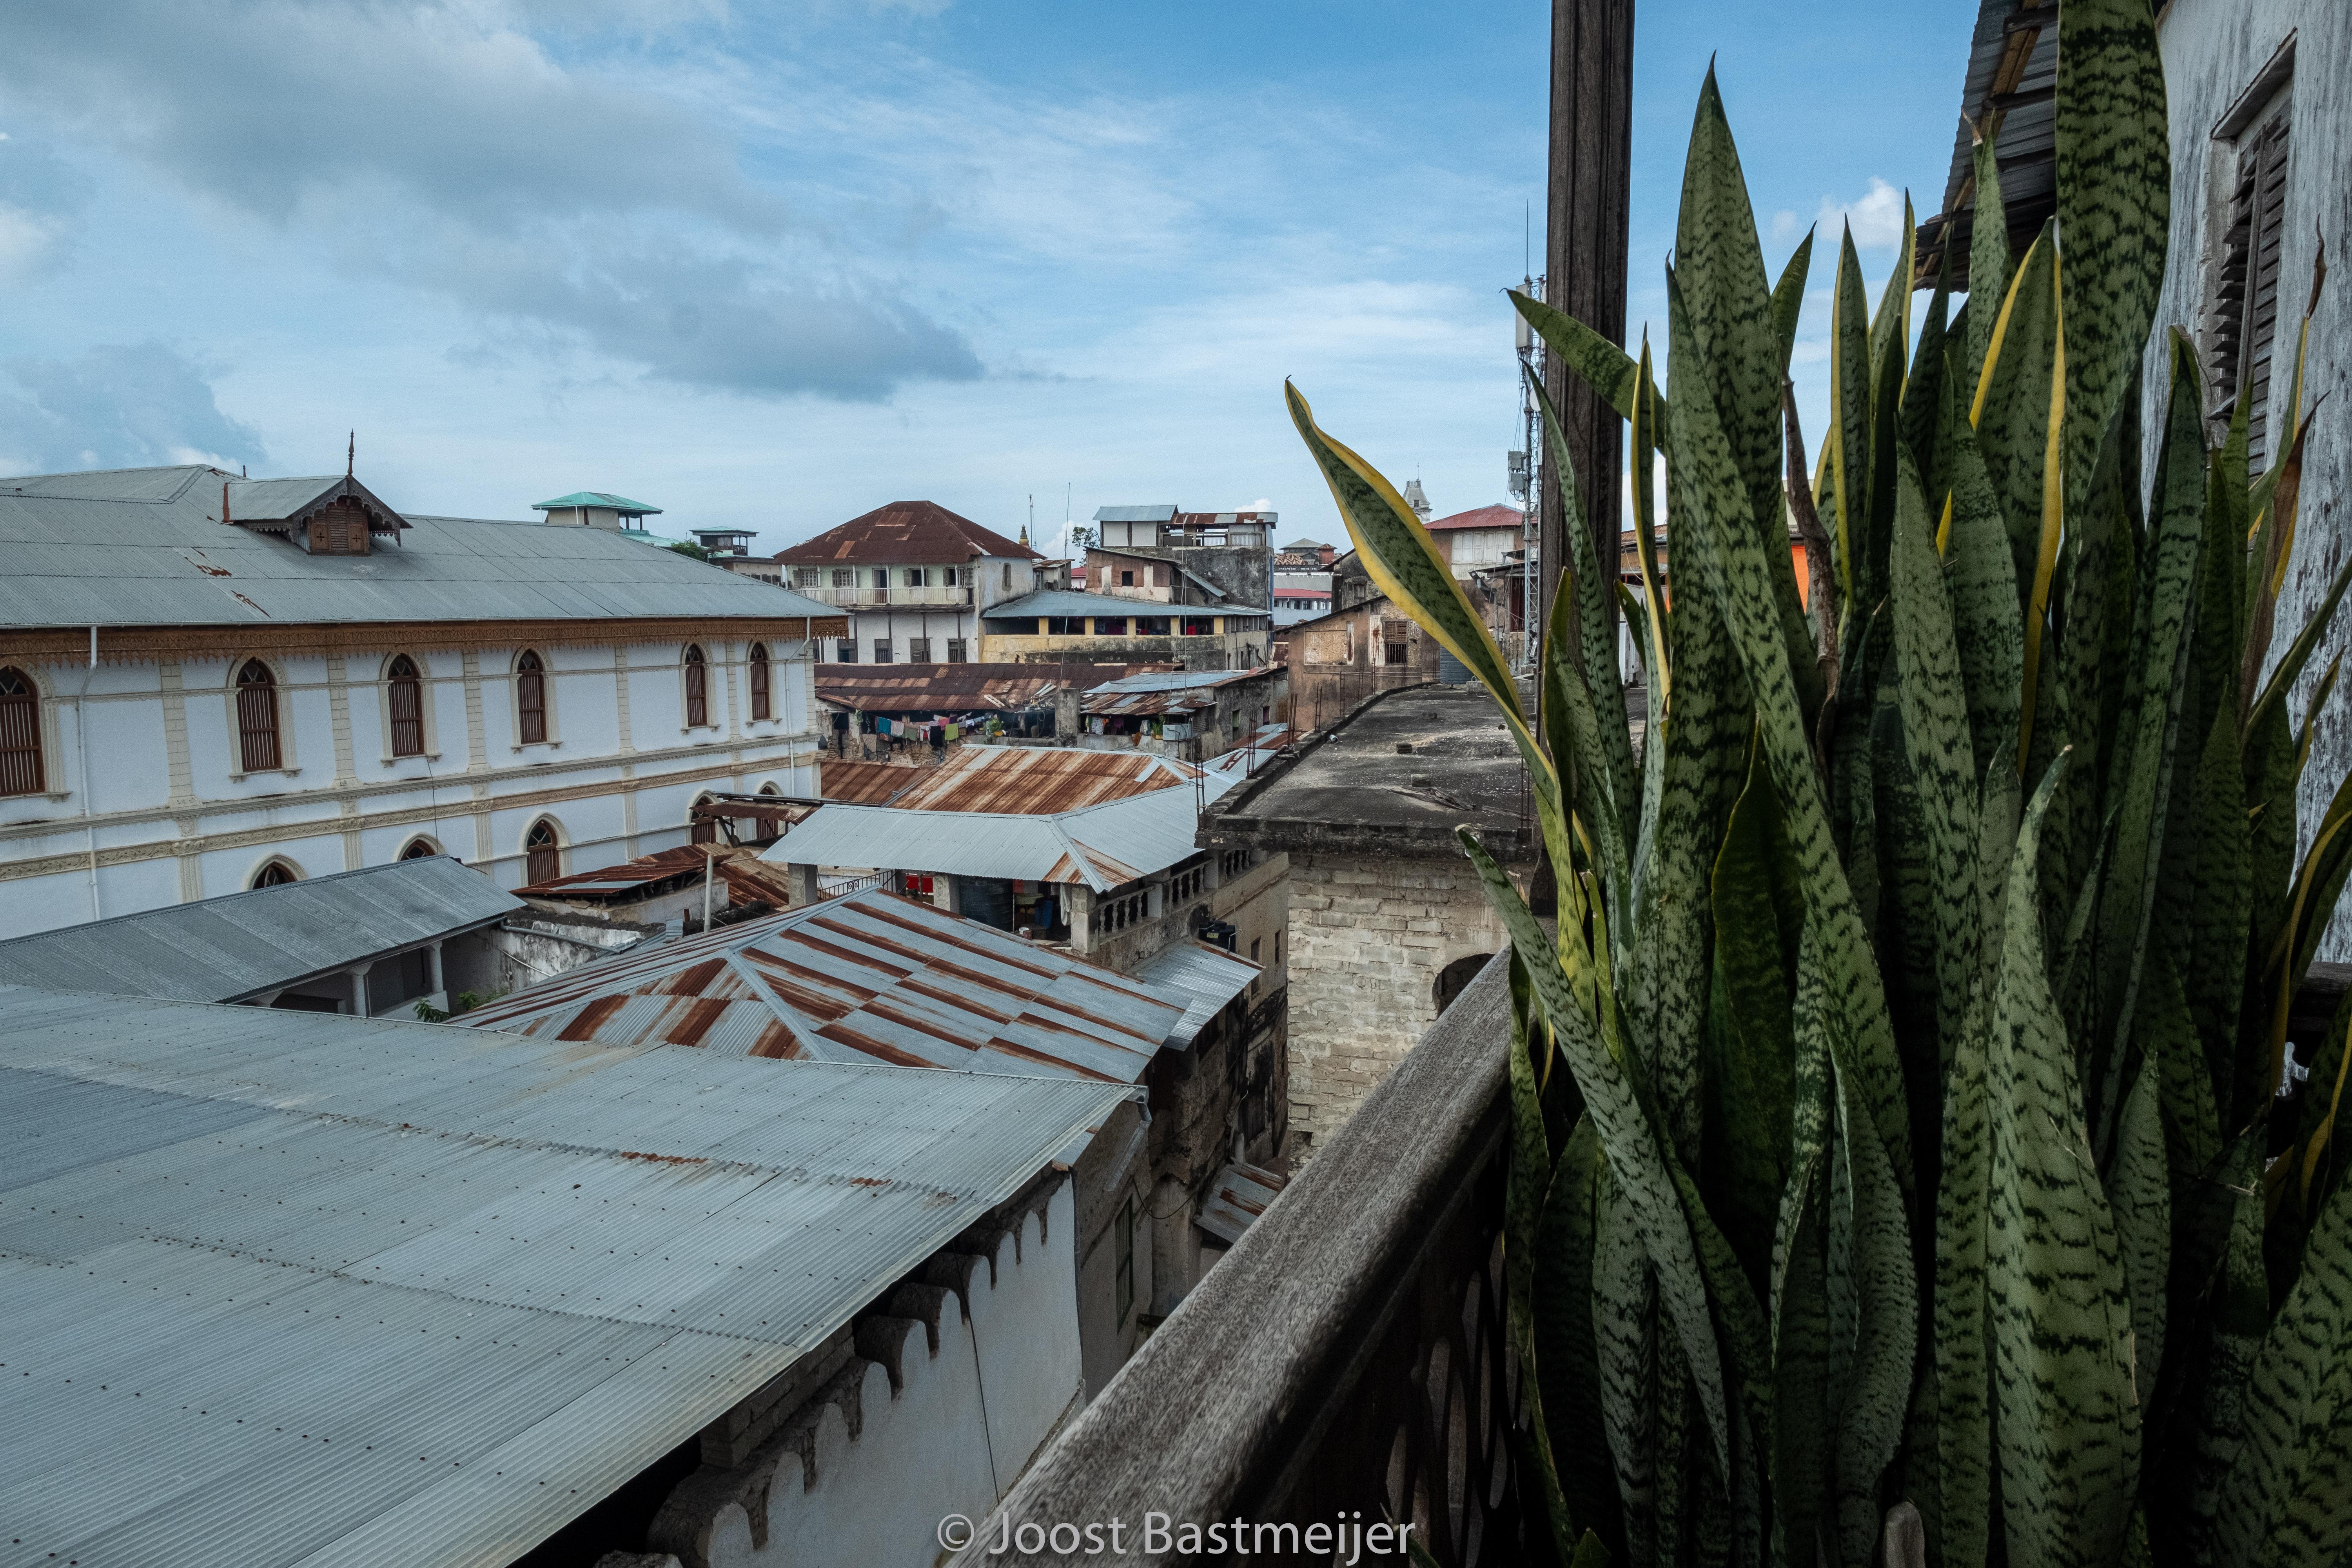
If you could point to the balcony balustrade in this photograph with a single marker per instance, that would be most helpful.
(1345, 1358)
(932, 597)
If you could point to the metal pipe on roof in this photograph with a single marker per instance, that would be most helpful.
(81, 745)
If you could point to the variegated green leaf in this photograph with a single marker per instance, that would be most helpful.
(1988, 261)
(1964, 1452)
(2013, 419)
(1625, 1332)
(1789, 297)
(1845, 448)
(2060, 1314)
(2288, 1499)
(1980, 571)
(2139, 1189)
(1567, 1358)
(1526, 1181)
(2114, 200)
(1605, 367)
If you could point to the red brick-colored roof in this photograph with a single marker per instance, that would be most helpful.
(1483, 517)
(918, 532)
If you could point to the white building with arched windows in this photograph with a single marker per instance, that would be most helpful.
(210, 683)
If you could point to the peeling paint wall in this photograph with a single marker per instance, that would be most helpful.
(2213, 51)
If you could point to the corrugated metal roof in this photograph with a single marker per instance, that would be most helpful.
(739, 871)
(1241, 1194)
(1209, 975)
(1104, 845)
(600, 498)
(870, 977)
(282, 1288)
(2010, 89)
(864, 784)
(1252, 753)
(1038, 781)
(1481, 517)
(146, 547)
(243, 943)
(959, 688)
(1134, 515)
(1068, 602)
(1180, 691)
(921, 532)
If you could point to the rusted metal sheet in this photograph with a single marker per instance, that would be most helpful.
(1035, 781)
(870, 977)
(745, 876)
(916, 533)
(1241, 1194)
(864, 784)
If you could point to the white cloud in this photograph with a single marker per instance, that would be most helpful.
(1785, 224)
(1876, 218)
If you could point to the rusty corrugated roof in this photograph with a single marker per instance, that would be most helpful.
(872, 977)
(1481, 517)
(1039, 780)
(921, 532)
(747, 877)
(866, 784)
(961, 688)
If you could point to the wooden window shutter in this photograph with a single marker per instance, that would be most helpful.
(697, 696)
(20, 735)
(257, 718)
(542, 856)
(408, 702)
(759, 709)
(531, 698)
(2241, 317)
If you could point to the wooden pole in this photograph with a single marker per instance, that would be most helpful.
(1586, 215)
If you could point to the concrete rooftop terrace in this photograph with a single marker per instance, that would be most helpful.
(1396, 776)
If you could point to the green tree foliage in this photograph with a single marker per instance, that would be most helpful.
(1894, 1096)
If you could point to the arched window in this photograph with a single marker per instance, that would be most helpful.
(697, 698)
(407, 694)
(276, 874)
(20, 734)
(257, 718)
(544, 856)
(420, 849)
(531, 698)
(759, 709)
(701, 827)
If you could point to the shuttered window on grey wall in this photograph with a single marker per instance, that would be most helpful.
(256, 717)
(406, 694)
(20, 735)
(2242, 326)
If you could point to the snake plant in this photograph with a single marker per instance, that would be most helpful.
(1896, 1152)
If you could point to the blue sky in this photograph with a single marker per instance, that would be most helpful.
(772, 266)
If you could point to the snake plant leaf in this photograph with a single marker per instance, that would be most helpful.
(1890, 322)
(2288, 1499)
(2191, 1122)
(1803, 1431)
(1594, 635)
(2139, 1189)
(1845, 449)
(1579, 731)
(1989, 633)
(1988, 257)
(1922, 415)
(1567, 1359)
(2059, 1313)
(2214, 892)
(2115, 204)
(2238, 1312)
(1405, 566)
(1629, 1131)
(1964, 1453)
(1789, 297)
(1867, 1215)
(2291, 663)
(2014, 402)
(1625, 1332)
(1527, 1179)
(1733, 572)
(1640, 492)
(1605, 367)
(2142, 788)
(1936, 742)
(1757, 906)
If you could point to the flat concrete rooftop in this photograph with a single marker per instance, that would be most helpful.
(1395, 777)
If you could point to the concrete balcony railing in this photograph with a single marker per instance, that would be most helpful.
(932, 597)
(1345, 1358)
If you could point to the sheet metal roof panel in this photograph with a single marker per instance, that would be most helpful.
(1211, 977)
(1140, 834)
(869, 976)
(1240, 1195)
(1069, 602)
(1031, 781)
(1134, 515)
(146, 547)
(241, 944)
(296, 1411)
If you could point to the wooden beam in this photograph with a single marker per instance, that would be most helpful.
(1586, 217)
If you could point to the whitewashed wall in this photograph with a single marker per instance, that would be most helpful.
(163, 813)
(2213, 51)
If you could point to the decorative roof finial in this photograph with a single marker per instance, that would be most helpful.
(351, 454)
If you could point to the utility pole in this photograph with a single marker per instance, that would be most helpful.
(1586, 214)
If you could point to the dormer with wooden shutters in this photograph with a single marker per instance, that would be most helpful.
(2241, 339)
(335, 515)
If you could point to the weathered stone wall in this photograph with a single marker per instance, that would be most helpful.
(1369, 938)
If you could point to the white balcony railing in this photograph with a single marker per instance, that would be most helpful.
(932, 597)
